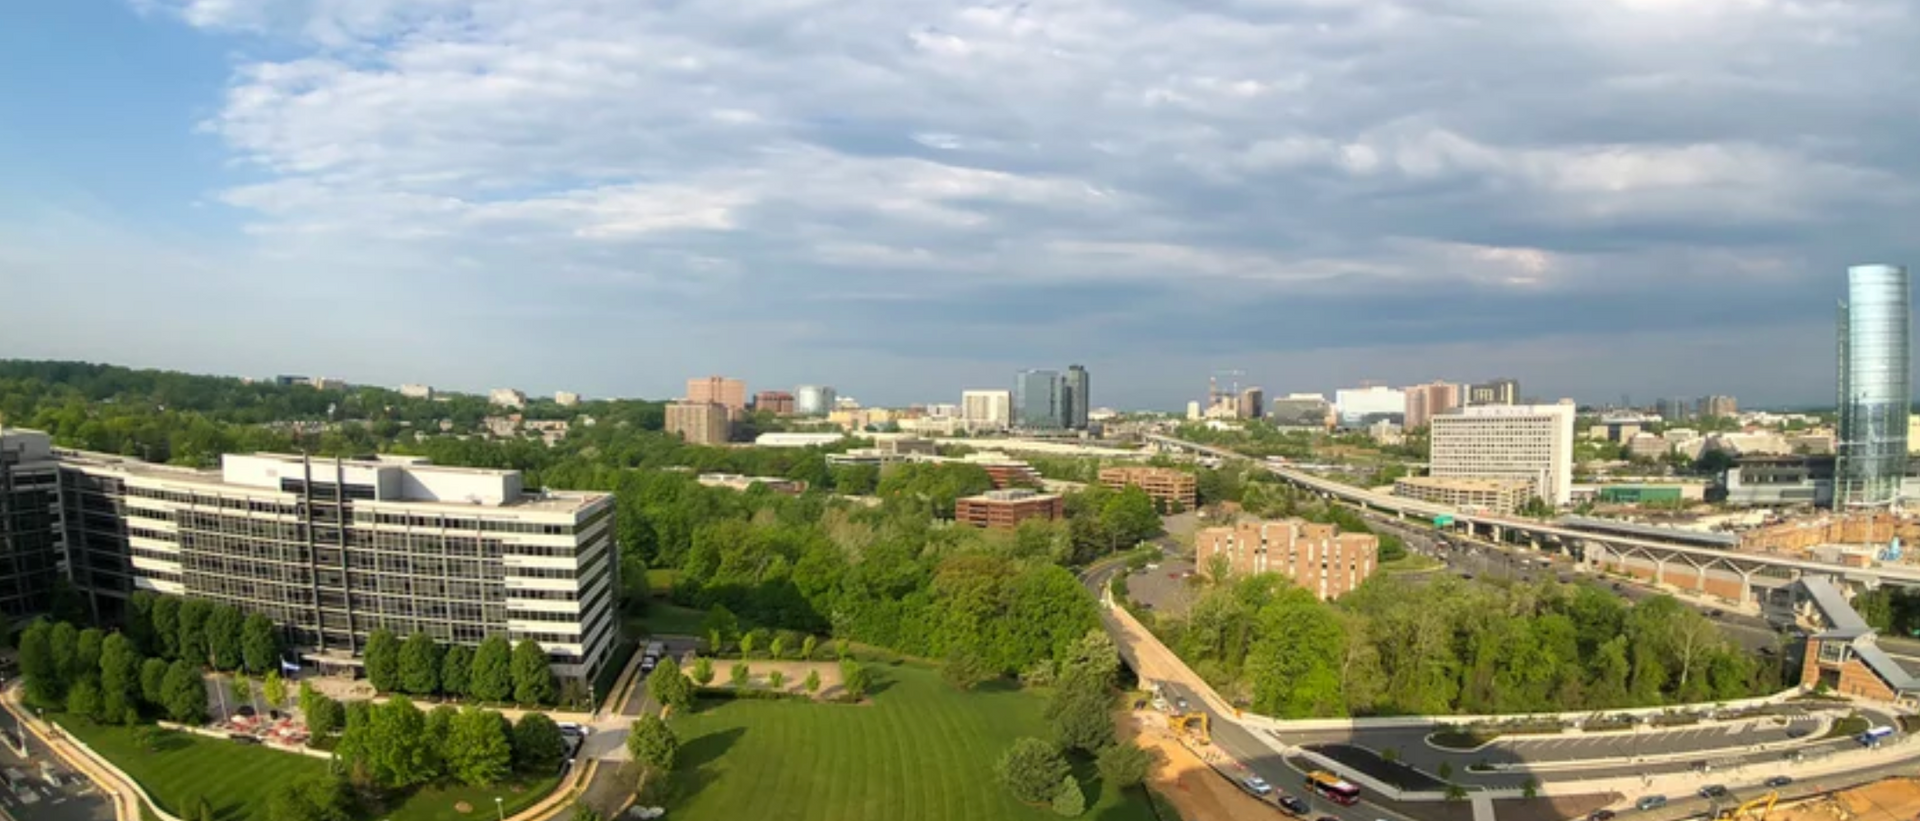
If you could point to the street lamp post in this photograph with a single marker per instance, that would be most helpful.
(500, 807)
(593, 702)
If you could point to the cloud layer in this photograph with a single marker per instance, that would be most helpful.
(805, 186)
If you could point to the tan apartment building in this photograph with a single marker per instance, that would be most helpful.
(1317, 557)
(1496, 495)
(699, 423)
(1427, 401)
(719, 390)
(1006, 509)
(1173, 487)
(778, 403)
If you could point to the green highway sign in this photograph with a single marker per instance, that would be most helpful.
(1442, 520)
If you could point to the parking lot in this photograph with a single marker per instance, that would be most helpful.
(1163, 588)
(29, 795)
(1732, 737)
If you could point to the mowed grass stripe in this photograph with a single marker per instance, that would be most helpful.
(921, 751)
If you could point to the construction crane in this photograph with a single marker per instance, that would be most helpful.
(1190, 722)
(1758, 808)
(1213, 385)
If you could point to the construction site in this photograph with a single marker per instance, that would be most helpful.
(1893, 799)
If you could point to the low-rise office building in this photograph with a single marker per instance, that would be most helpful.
(1006, 509)
(332, 550)
(1529, 442)
(1317, 557)
(1165, 485)
(1495, 495)
(778, 403)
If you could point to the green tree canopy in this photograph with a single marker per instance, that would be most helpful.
(420, 665)
(456, 670)
(260, 644)
(1031, 770)
(492, 678)
(537, 745)
(382, 659)
(532, 675)
(480, 754)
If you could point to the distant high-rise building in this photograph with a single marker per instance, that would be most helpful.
(566, 399)
(1427, 401)
(1359, 406)
(987, 409)
(1875, 391)
(1077, 402)
(1718, 406)
(1673, 410)
(814, 400)
(417, 391)
(1300, 410)
(779, 403)
(1496, 392)
(1530, 442)
(1252, 404)
(506, 398)
(1037, 400)
(719, 390)
(699, 423)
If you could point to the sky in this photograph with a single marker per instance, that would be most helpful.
(907, 198)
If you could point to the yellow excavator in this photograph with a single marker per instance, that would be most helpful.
(1198, 725)
(1756, 809)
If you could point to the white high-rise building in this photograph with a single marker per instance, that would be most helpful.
(1529, 442)
(1356, 404)
(987, 409)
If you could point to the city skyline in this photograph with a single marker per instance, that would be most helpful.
(190, 173)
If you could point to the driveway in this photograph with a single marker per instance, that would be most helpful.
(29, 797)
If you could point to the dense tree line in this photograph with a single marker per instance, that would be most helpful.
(1038, 770)
(496, 671)
(1444, 645)
(1890, 610)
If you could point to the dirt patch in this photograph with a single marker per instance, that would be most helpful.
(338, 688)
(1895, 799)
(1199, 793)
(793, 675)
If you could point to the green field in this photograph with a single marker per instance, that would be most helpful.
(236, 778)
(663, 619)
(920, 751)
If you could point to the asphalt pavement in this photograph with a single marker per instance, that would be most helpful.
(29, 796)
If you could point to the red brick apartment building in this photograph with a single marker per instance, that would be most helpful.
(778, 403)
(1162, 484)
(1317, 557)
(1006, 509)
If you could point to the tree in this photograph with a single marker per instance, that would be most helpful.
(382, 659)
(314, 797)
(479, 754)
(456, 670)
(307, 698)
(83, 699)
(139, 622)
(965, 669)
(492, 678)
(260, 644)
(840, 648)
(807, 647)
(223, 626)
(440, 721)
(582, 812)
(1031, 770)
(1069, 801)
(86, 654)
(1124, 765)
(186, 694)
(242, 690)
(166, 627)
(532, 675)
(720, 627)
(325, 716)
(775, 679)
(420, 665)
(748, 641)
(855, 678)
(64, 641)
(537, 745)
(275, 690)
(813, 682)
(1445, 770)
(1128, 518)
(153, 682)
(396, 748)
(38, 667)
(669, 688)
(740, 676)
(1077, 715)
(777, 648)
(653, 746)
(702, 671)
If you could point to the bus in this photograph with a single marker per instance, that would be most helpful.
(1873, 737)
(1332, 787)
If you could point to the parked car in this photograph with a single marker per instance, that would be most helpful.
(570, 728)
(1293, 805)
(1780, 781)
(1714, 614)
(1713, 791)
(1256, 785)
(1600, 815)
(1181, 703)
(1650, 802)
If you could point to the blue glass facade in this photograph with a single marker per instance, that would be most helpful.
(1039, 400)
(1875, 387)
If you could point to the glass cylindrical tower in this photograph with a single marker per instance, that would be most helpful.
(1875, 387)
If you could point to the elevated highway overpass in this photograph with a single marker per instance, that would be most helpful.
(1681, 559)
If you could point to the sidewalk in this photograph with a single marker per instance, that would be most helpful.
(125, 795)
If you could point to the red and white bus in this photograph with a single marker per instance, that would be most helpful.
(1333, 787)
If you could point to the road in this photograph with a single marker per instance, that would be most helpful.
(77, 799)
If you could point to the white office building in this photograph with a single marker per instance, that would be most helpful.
(332, 550)
(1528, 442)
(987, 409)
(1356, 404)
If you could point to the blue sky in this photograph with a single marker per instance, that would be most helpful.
(905, 198)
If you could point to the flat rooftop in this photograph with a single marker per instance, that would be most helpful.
(1464, 483)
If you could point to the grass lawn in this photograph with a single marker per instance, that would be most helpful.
(236, 779)
(920, 751)
(667, 619)
(661, 581)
